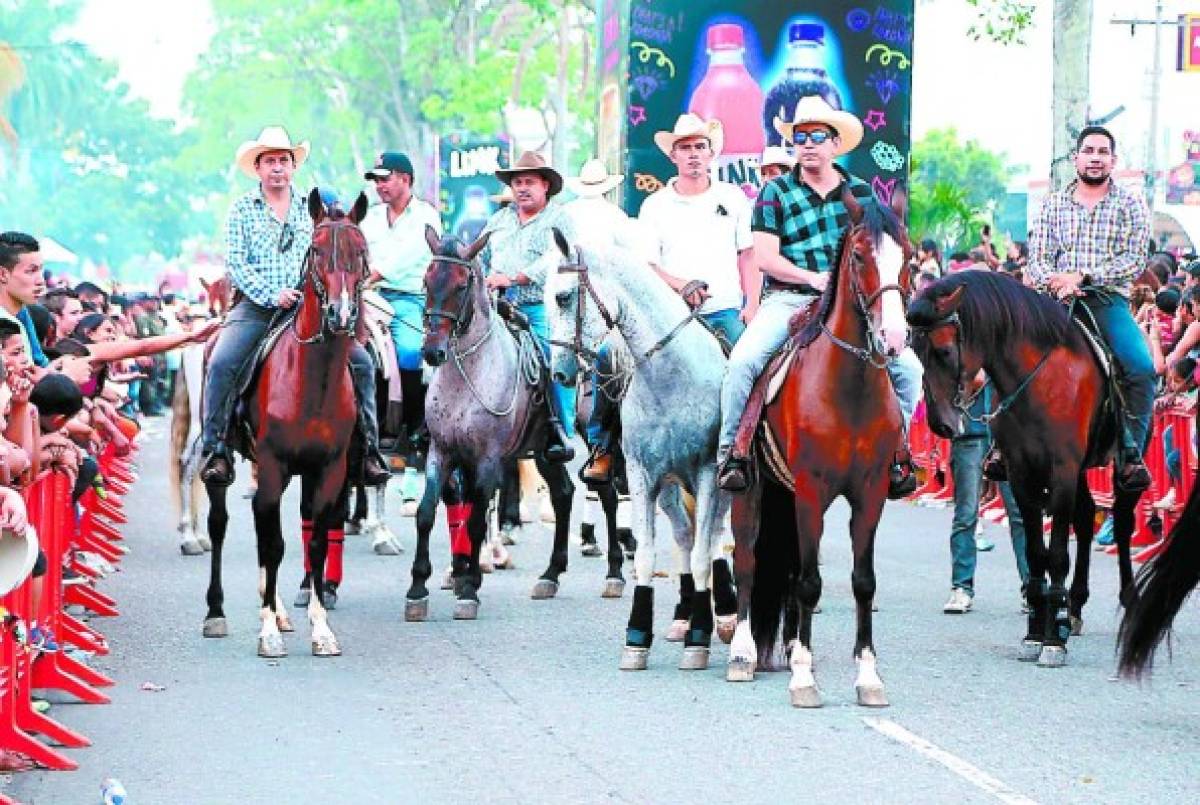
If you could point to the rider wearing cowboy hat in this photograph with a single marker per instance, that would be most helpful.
(267, 235)
(774, 163)
(799, 219)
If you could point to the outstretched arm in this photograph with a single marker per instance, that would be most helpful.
(138, 348)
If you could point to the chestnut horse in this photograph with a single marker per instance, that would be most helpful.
(301, 414)
(836, 422)
(1051, 423)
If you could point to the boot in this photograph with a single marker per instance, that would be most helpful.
(902, 475)
(558, 447)
(994, 468)
(218, 467)
(1133, 475)
(598, 469)
(375, 467)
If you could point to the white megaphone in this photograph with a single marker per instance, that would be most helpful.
(18, 552)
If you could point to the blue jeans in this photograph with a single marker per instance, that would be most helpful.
(406, 327)
(966, 467)
(727, 322)
(561, 398)
(1128, 345)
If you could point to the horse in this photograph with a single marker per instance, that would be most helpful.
(183, 469)
(482, 408)
(300, 414)
(1051, 423)
(670, 416)
(830, 432)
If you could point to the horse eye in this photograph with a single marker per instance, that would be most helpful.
(562, 298)
(944, 354)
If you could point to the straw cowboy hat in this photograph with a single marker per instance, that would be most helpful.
(18, 553)
(815, 109)
(533, 162)
(593, 180)
(272, 138)
(777, 155)
(691, 125)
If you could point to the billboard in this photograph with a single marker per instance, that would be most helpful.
(467, 181)
(747, 62)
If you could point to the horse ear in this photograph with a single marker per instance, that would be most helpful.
(476, 247)
(852, 206)
(560, 240)
(431, 238)
(315, 208)
(359, 211)
(948, 304)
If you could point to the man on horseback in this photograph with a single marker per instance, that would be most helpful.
(517, 258)
(268, 234)
(799, 219)
(1088, 244)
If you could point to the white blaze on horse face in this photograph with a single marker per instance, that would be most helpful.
(889, 258)
(345, 313)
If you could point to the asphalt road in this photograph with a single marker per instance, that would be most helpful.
(526, 705)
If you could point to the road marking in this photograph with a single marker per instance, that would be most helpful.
(972, 774)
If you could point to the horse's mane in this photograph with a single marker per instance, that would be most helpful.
(995, 310)
(878, 221)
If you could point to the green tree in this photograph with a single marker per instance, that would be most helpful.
(955, 187)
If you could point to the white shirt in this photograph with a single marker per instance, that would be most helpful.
(398, 251)
(600, 224)
(699, 237)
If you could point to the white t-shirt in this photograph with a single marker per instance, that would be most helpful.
(600, 224)
(699, 237)
(399, 252)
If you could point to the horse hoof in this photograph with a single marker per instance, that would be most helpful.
(871, 696)
(1052, 657)
(216, 627)
(1030, 650)
(191, 547)
(543, 589)
(386, 547)
(353, 528)
(1076, 626)
(591, 549)
(408, 508)
(695, 658)
(613, 588)
(303, 596)
(284, 623)
(739, 670)
(634, 658)
(726, 625)
(416, 611)
(677, 631)
(326, 646)
(330, 598)
(807, 697)
(466, 610)
(272, 646)
(204, 541)
(506, 536)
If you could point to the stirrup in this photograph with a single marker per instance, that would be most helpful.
(218, 468)
(598, 469)
(902, 480)
(733, 474)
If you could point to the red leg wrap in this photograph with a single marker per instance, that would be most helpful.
(457, 515)
(306, 529)
(333, 559)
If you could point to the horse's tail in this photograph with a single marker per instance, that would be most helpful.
(1162, 586)
(776, 566)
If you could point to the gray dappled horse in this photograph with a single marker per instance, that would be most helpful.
(670, 416)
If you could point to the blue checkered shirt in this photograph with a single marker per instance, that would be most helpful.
(1108, 245)
(808, 225)
(525, 248)
(256, 263)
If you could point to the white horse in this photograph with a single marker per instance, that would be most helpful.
(670, 416)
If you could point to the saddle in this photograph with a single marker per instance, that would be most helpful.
(1112, 408)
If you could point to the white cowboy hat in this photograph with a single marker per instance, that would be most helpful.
(692, 125)
(815, 109)
(533, 162)
(777, 155)
(593, 180)
(272, 138)
(18, 553)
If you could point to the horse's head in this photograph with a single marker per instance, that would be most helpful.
(451, 281)
(950, 369)
(879, 244)
(337, 264)
(580, 313)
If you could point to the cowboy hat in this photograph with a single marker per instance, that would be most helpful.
(272, 138)
(815, 109)
(777, 155)
(692, 125)
(593, 180)
(533, 162)
(18, 553)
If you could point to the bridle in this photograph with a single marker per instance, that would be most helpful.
(310, 273)
(459, 320)
(875, 353)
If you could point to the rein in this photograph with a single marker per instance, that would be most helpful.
(309, 273)
(874, 353)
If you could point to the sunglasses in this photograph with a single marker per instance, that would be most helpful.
(287, 236)
(817, 137)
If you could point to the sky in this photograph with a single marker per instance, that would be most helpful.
(997, 95)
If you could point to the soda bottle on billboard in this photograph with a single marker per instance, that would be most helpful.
(730, 94)
(805, 75)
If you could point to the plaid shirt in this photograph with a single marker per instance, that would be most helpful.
(1108, 245)
(808, 225)
(258, 256)
(525, 248)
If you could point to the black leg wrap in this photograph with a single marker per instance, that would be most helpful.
(640, 632)
(687, 588)
(700, 628)
(1059, 614)
(724, 595)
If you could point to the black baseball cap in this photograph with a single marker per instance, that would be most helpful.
(390, 162)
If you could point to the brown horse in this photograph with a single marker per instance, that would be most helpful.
(301, 414)
(836, 422)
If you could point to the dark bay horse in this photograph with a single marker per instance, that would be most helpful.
(1051, 422)
(481, 409)
(837, 423)
(301, 414)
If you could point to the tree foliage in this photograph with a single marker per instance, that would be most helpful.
(955, 187)
(1003, 21)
